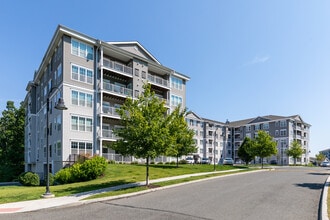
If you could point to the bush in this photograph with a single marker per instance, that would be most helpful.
(111, 162)
(160, 163)
(63, 176)
(29, 179)
(152, 162)
(172, 162)
(183, 162)
(88, 170)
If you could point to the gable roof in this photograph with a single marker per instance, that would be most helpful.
(136, 48)
(265, 118)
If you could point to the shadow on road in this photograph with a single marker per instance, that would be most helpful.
(319, 174)
(315, 186)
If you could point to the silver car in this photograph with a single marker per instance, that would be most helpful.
(228, 161)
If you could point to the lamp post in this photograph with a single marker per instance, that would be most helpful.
(60, 106)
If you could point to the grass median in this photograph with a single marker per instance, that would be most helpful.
(115, 174)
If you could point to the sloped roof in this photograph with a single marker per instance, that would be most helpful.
(264, 118)
(136, 48)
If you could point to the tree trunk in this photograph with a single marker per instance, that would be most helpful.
(147, 172)
(177, 161)
(262, 162)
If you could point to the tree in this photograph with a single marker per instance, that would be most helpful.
(11, 142)
(145, 133)
(319, 158)
(295, 150)
(182, 142)
(263, 146)
(244, 151)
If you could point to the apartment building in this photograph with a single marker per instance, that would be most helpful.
(211, 138)
(94, 78)
(283, 129)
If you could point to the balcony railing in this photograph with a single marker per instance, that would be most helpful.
(108, 134)
(158, 80)
(109, 111)
(117, 89)
(117, 66)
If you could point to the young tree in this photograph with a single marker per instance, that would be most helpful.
(181, 135)
(145, 133)
(263, 146)
(11, 142)
(295, 150)
(244, 151)
(319, 158)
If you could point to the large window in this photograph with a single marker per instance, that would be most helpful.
(81, 74)
(81, 124)
(81, 147)
(176, 100)
(81, 49)
(176, 83)
(81, 99)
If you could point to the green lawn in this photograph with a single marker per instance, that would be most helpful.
(115, 174)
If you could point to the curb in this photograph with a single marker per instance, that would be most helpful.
(324, 198)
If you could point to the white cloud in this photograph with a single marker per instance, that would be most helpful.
(258, 59)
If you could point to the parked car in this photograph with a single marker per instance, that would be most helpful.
(205, 160)
(228, 161)
(190, 160)
(325, 164)
(273, 162)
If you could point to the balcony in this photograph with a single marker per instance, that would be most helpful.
(113, 65)
(111, 111)
(108, 134)
(120, 90)
(158, 80)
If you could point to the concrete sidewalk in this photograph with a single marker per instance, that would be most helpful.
(33, 205)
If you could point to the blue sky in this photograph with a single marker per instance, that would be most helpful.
(245, 58)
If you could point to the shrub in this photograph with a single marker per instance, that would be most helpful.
(29, 179)
(167, 162)
(111, 162)
(160, 163)
(63, 176)
(183, 162)
(152, 162)
(172, 163)
(88, 170)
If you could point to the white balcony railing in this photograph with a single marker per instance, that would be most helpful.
(117, 66)
(108, 134)
(109, 111)
(158, 80)
(117, 89)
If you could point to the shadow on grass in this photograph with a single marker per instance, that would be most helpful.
(314, 186)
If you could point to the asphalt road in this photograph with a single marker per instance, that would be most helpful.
(285, 193)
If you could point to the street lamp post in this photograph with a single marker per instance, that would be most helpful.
(60, 106)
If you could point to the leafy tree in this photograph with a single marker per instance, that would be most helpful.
(11, 142)
(145, 133)
(319, 158)
(295, 150)
(181, 135)
(263, 146)
(244, 151)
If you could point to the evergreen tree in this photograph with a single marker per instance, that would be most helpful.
(11, 142)
(244, 151)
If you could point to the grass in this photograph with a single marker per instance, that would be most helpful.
(159, 184)
(115, 174)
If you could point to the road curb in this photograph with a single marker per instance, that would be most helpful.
(324, 203)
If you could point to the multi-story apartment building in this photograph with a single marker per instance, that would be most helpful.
(211, 138)
(94, 78)
(283, 129)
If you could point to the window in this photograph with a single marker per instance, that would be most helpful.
(282, 123)
(81, 99)
(59, 149)
(176, 83)
(81, 147)
(276, 132)
(266, 126)
(81, 49)
(283, 132)
(176, 100)
(248, 128)
(256, 127)
(74, 123)
(143, 74)
(81, 124)
(74, 97)
(81, 74)
(136, 71)
(59, 71)
(59, 122)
